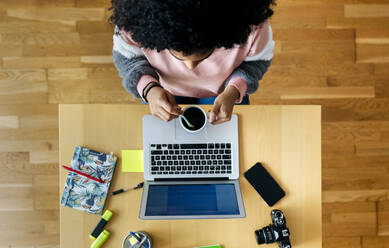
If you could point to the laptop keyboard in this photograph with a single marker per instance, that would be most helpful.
(194, 159)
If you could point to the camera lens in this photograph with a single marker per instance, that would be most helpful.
(265, 235)
(259, 235)
(278, 214)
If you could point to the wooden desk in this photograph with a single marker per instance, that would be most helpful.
(286, 139)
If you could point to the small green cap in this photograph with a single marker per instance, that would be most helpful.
(100, 239)
(107, 215)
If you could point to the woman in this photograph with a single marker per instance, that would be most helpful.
(192, 51)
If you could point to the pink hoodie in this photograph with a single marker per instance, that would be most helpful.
(208, 77)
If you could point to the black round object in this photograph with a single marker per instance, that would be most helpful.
(265, 235)
(259, 236)
(195, 116)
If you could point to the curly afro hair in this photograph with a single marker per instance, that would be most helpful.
(189, 26)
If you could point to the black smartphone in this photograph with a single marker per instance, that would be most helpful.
(264, 184)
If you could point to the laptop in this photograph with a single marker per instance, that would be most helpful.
(190, 175)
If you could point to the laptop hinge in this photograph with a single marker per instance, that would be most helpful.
(192, 179)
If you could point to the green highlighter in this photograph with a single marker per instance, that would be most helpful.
(211, 246)
(100, 226)
(100, 239)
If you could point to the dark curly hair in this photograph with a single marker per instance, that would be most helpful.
(189, 26)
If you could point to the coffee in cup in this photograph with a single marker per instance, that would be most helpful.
(196, 117)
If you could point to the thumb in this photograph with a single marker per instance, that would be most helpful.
(214, 112)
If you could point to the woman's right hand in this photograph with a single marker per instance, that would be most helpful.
(162, 104)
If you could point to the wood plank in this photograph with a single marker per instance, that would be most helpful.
(310, 10)
(320, 57)
(22, 92)
(100, 73)
(17, 163)
(25, 38)
(373, 35)
(297, 22)
(343, 242)
(20, 26)
(372, 53)
(277, 83)
(40, 157)
(12, 176)
(46, 197)
(90, 60)
(356, 1)
(349, 219)
(381, 69)
(313, 34)
(355, 178)
(34, 216)
(109, 73)
(93, 27)
(16, 199)
(372, 148)
(375, 242)
(29, 134)
(344, 23)
(25, 98)
(356, 80)
(10, 50)
(93, 49)
(366, 10)
(68, 74)
(309, 46)
(383, 218)
(34, 110)
(328, 93)
(41, 62)
(58, 14)
(38, 3)
(28, 145)
(340, 109)
(288, 93)
(353, 132)
(382, 88)
(354, 161)
(91, 38)
(10, 87)
(46, 180)
(31, 237)
(22, 75)
(349, 69)
(330, 196)
(88, 91)
(93, 3)
(10, 121)
(39, 121)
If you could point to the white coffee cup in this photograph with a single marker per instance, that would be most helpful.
(198, 128)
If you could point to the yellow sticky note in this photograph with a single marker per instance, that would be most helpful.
(132, 160)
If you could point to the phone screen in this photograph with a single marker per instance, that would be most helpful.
(264, 184)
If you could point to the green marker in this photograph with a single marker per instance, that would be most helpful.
(100, 226)
(100, 239)
(211, 246)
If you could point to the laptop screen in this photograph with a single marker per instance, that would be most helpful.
(196, 199)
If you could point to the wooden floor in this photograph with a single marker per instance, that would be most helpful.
(329, 52)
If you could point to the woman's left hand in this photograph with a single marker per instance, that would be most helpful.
(223, 106)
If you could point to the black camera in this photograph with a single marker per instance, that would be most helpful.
(276, 232)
